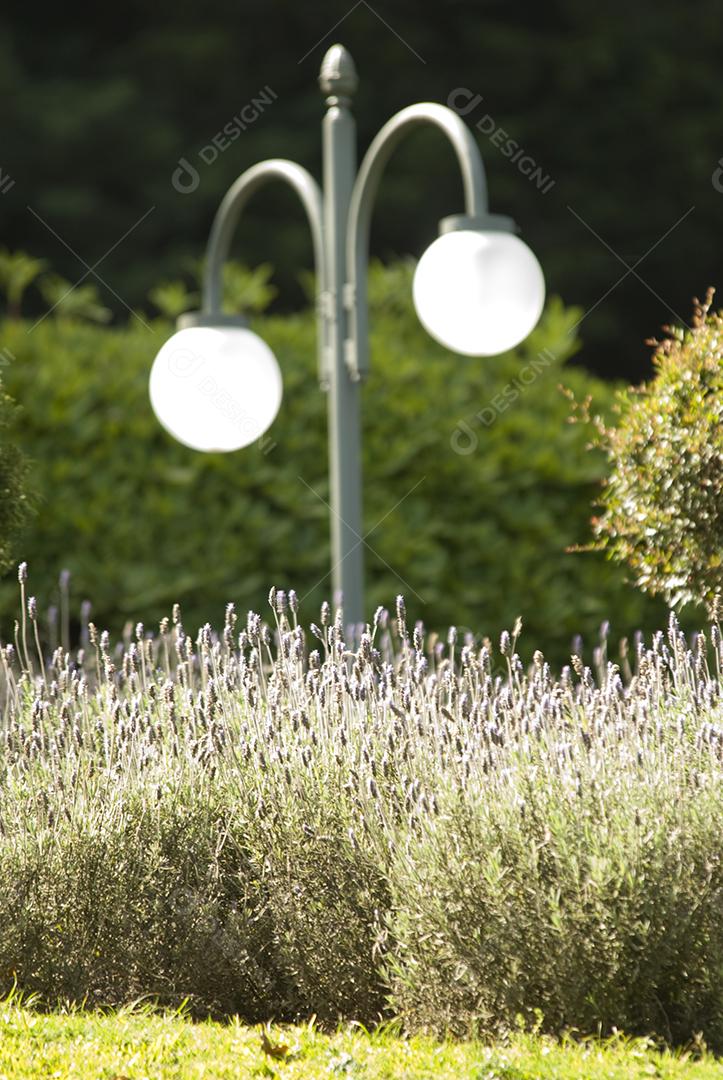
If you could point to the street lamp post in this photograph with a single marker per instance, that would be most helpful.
(478, 289)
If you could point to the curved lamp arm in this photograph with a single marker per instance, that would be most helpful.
(226, 219)
(362, 200)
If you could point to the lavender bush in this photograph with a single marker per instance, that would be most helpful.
(274, 821)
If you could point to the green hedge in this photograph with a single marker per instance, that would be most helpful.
(477, 537)
(15, 502)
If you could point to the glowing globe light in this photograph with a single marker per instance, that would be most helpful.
(215, 388)
(478, 293)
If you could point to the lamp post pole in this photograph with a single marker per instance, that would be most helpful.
(478, 290)
(338, 82)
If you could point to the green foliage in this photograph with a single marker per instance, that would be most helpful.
(663, 499)
(173, 298)
(15, 502)
(473, 517)
(17, 271)
(247, 291)
(68, 301)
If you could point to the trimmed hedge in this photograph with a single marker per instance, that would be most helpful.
(475, 484)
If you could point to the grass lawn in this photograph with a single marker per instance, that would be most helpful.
(137, 1043)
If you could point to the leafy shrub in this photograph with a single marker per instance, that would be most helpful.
(277, 831)
(15, 503)
(662, 503)
(475, 515)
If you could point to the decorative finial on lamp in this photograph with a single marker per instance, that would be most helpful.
(338, 77)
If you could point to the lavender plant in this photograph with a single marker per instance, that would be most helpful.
(275, 821)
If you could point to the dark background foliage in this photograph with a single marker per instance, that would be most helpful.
(619, 104)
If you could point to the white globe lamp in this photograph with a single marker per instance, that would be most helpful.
(478, 292)
(215, 386)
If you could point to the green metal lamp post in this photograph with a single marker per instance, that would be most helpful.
(478, 289)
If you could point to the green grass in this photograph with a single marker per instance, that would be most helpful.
(136, 1042)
